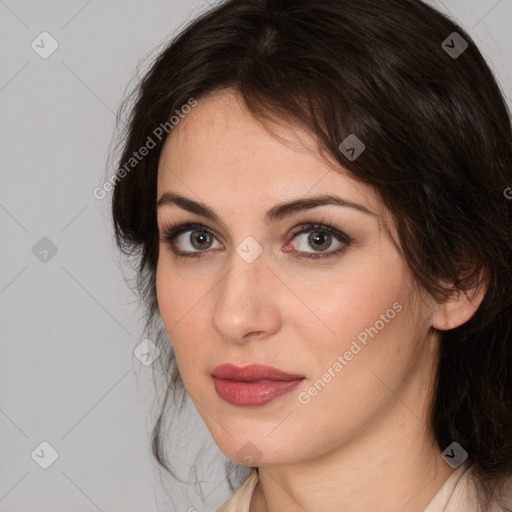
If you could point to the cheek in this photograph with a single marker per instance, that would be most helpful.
(185, 307)
(182, 307)
(375, 338)
(354, 298)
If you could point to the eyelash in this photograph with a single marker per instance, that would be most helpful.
(170, 232)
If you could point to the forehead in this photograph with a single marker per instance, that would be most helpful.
(220, 152)
(220, 130)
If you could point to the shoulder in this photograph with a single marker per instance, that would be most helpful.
(466, 494)
(241, 499)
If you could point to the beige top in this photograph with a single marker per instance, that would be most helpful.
(458, 494)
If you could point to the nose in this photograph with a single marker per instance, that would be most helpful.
(246, 303)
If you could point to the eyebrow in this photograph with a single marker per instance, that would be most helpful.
(277, 212)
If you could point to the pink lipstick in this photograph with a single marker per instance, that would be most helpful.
(252, 385)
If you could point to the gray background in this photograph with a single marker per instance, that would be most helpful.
(69, 324)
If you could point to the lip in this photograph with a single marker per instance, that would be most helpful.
(252, 372)
(252, 385)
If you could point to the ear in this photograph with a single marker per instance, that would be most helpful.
(459, 308)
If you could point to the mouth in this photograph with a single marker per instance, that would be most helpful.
(253, 385)
(252, 373)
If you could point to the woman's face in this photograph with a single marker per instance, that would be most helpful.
(348, 324)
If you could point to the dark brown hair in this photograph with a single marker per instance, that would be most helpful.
(438, 140)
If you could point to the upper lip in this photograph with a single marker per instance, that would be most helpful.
(252, 372)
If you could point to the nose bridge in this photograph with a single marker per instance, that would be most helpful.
(243, 302)
(243, 281)
(247, 264)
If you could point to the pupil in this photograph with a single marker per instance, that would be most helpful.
(200, 240)
(318, 238)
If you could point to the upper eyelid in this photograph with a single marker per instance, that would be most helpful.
(303, 227)
(191, 225)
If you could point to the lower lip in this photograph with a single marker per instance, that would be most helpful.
(246, 394)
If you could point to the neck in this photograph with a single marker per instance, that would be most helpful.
(392, 466)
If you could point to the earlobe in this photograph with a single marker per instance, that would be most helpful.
(459, 307)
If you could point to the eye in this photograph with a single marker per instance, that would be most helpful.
(191, 240)
(320, 237)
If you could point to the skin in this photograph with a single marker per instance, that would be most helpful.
(363, 442)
